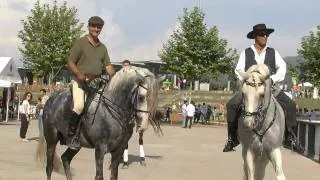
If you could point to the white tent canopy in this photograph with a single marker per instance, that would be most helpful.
(9, 74)
(306, 84)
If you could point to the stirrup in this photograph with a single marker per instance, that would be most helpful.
(229, 146)
(297, 147)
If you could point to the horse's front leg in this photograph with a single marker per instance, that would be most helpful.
(248, 158)
(66, 158)
(125, 158)
(142, 154)
(260, 166)
(99, 157)
(276, 160)
(115, 161)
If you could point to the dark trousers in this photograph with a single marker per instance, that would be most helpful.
(188, 119)
(288, 105)
(24, 126)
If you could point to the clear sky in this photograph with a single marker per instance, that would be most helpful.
(136, 29)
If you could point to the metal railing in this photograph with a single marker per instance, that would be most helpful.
(309, 134)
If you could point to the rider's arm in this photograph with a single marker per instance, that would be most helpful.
(240, 68)
(75, 53)
(109, 67)
(110, 70)
(281, 69)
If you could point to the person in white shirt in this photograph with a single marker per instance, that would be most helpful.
(25, 118)
(184, 113)
(190, 113)
(260, 53)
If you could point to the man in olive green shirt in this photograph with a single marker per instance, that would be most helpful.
(88, 59)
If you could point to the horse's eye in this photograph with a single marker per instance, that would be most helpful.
(141, 97)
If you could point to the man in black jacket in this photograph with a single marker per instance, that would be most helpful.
(260, 53)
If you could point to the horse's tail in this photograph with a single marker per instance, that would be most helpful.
(41, 150)
(41, 154)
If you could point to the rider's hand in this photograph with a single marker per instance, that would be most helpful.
(81, 77)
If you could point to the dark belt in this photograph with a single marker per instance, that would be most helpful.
(91, 77)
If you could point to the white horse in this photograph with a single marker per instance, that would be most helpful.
(261, 125)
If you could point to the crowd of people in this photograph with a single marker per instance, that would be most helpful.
(196, 113)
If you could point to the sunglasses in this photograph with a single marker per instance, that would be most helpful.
(262, 34)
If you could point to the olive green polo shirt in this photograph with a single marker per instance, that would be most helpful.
(89, 60)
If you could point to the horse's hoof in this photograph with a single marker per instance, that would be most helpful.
(125, 165)
(143, 162)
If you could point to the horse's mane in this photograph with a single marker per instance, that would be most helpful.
(143, 76)
(258, 71)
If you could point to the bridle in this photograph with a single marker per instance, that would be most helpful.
(259, 115)
(135, 98)
(117, 109)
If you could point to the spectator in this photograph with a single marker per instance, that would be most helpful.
(197, 114)
(209, 113)
(190, 114)
(43, 101)
(184, 113)
(25, 116)
(203, 110)
(168, 112)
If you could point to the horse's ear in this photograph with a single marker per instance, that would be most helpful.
(252, 69)
(244, 75)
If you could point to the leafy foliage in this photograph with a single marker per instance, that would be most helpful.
(310, 50)
(47, 37)
(193, 50)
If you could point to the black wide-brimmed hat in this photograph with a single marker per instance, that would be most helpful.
(259, 28)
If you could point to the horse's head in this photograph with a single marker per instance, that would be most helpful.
(255, 89)
(139, 86)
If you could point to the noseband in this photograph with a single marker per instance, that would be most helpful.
(259, 113)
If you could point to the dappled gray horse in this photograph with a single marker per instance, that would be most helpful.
(261, 125)
(107, 124)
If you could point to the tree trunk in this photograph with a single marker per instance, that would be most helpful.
(51, 77)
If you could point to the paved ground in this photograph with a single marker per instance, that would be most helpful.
(181, 154)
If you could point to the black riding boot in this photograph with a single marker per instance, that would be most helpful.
(232, 137)
(73, 137)
(292, 142)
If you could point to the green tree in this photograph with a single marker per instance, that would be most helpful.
(47, 36)
(194, 50)
(310, 50)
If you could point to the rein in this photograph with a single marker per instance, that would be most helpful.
(118, 111)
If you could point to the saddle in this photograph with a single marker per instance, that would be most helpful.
(94, 90)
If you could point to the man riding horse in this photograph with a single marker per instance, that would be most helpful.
(260, 53)
(88, 60)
